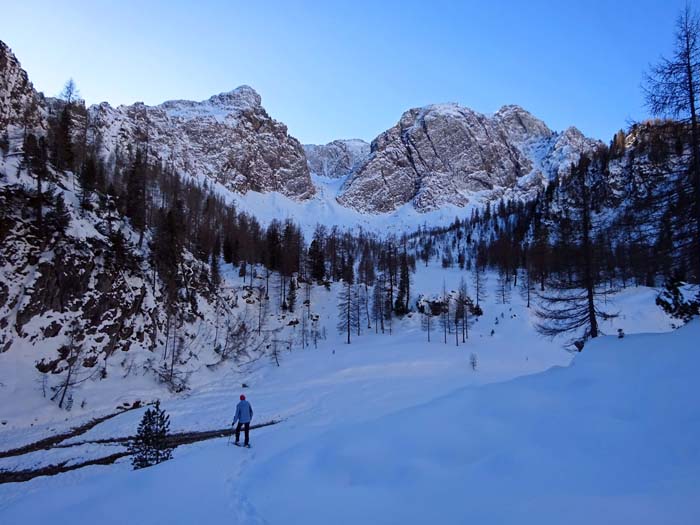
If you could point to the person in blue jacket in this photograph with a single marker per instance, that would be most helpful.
(244, 414)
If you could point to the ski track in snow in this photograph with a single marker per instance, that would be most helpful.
(241, 510)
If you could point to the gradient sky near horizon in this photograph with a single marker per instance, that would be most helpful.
(350, 69)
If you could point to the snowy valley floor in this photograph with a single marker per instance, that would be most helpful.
(395, 430)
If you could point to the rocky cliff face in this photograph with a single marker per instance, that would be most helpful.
(447, 155)
(435, 156)
(20, 104)
(228, 138)
(336, 159)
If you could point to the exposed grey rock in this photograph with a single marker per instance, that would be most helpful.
(228, 138)
(336, 159)
(20, 104)
(447, 154)
(435, 156)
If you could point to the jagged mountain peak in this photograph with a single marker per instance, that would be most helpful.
(573, 133)
(436, 155)
(448, 154)
(513, 109)
(448, 110)
(228, 138)
(229, 103)
(243, 96)
(515, 123)
(522, 125)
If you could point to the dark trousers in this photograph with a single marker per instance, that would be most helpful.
(246, 428)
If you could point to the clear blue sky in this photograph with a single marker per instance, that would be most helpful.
(349, 69)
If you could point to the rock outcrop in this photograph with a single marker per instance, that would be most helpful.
(448, 155)
(435, 156)
(20, 104)
(336, 159)
(228, 138)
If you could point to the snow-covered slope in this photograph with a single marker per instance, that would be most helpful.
(610, 439)
(395, 429)
(324, 208)
(92, 286)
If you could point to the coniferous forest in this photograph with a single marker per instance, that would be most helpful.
(625, 214)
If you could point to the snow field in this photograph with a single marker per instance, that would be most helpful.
(393, 429)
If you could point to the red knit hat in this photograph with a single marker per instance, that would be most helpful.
(242, 397)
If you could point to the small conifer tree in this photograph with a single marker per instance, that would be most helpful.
(150, 446)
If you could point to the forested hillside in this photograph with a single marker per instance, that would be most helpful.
(118, 261)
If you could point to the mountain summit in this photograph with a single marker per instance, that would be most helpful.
(228, 138)
(435, 156)
(446, 154)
